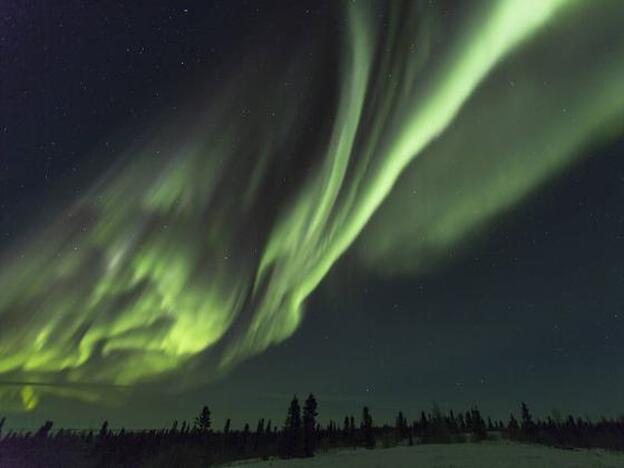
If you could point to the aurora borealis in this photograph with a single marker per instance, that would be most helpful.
(394, 134)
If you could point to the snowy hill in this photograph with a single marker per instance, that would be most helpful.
(499, 455)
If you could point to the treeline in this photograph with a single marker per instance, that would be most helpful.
(569, 432)
(198, 443)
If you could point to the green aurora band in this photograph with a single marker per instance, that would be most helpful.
(199, 248)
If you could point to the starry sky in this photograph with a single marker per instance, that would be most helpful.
(383, 203)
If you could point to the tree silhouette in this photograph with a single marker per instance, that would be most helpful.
(291, 435)
(367, 429)
(401, 426)
(44, 430)
(103, 430)
(174, 427)
(478, 424)
(258, 436)
(424, 423)
(346, 429)
(244, 438)
(468, 422)
(527, 424)
(309, 426)
(226, 428)
(202, 421)
(170, 446)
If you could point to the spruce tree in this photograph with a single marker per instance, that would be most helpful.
(452, 422)
(202, 421)
(512, 426)
(268, 430)
(259, 431)
(346, 428)
(291, 435)
(401, 426)
(468, 422)
(309, 425)
(424, 424)
(44, 430)
(478, 424)
(367, 429)
(174, 427)
(461, 424)
(244, 438)
(527, 425)
(103, 430)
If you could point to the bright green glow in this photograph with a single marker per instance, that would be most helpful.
(174, 262)
(527, 126)
(29, 397)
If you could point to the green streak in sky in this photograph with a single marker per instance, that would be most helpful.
(197, 252)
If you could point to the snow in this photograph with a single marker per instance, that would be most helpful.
(498, 454)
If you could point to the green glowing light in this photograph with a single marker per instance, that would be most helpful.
(185, 260)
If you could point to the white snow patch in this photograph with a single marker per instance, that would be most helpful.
(484, 455)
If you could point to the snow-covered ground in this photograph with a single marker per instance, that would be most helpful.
(498, 454)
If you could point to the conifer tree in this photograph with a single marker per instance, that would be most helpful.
(103, 430)
(512, 426)
(424, 423)
(291, 435)
(478, 424)
(202, 421)
(44, 430)
(401, 426)
(244, 438)
(309, 426)
(468, 421)
(346, 428)
(452, 422)
(259, 431)
(461, 424)
(367, 429)
(527, 425)
(174, 427)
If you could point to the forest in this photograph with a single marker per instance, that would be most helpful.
(198, 443)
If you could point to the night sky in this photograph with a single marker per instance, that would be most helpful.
(382, 203)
